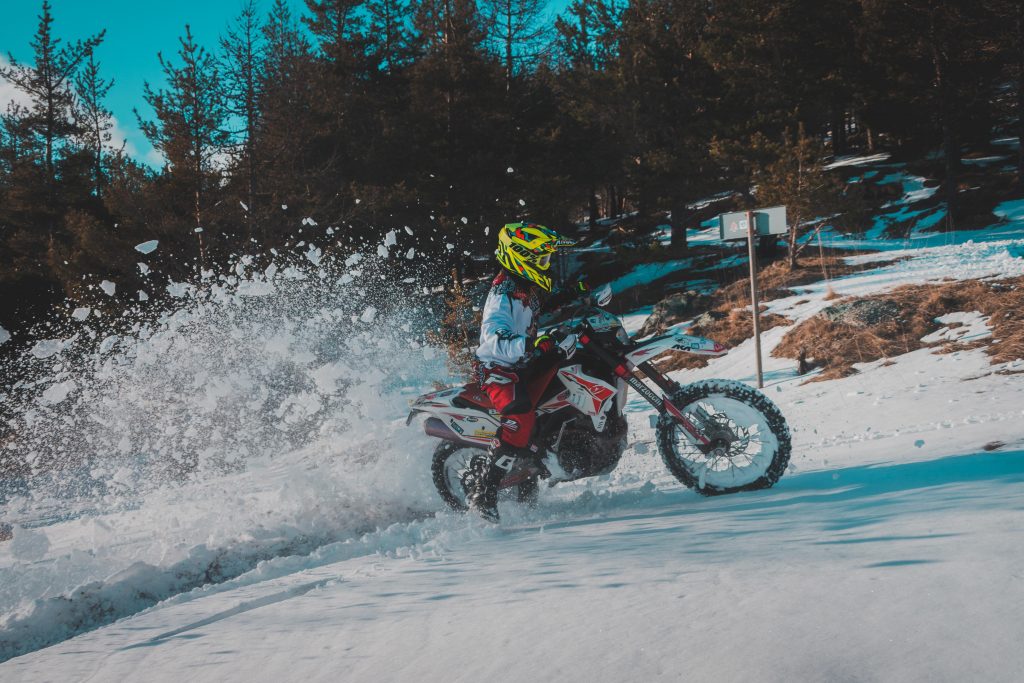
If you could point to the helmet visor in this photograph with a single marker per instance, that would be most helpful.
(543, 261)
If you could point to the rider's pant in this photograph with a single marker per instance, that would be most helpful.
(510, 391)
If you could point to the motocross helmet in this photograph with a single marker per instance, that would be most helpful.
(526, 249)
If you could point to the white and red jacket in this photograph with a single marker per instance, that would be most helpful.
(509, 320)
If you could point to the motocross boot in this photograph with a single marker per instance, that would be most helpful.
(490, 469)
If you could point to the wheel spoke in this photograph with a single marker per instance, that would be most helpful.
(740, 453)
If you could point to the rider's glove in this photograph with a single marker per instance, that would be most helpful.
(560, 344)
(544, 344)
(582, 285)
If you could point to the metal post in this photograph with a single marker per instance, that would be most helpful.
(755, 306)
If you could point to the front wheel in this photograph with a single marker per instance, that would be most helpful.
(750, 443)
(452, 463)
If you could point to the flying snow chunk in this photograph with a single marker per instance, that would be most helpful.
(408, 229)
(108, 287)
(382, 251)
(244, 206)
(449, 246)
(522, 202)
(5, 336)
(143, 268)
(197, 230)
(143, 296)
(510, 170)
(177, 289)
(284, 207)
(313, 255)
(487, 230)
(47, 347)
(391, 239)
(58, 392)
(411, 254)
(147, 247)
(369, 315)
(353, 259)
(465, 221)
(81, 313)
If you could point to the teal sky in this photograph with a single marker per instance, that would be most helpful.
(136, 32)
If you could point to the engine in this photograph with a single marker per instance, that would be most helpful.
(587, 452)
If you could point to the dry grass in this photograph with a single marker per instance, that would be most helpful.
(777, 279)
(837, 346)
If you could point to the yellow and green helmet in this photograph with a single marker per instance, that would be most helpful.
(525, 249)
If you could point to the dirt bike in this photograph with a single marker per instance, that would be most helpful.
(716, 436)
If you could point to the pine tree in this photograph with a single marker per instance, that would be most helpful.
(96, 119)
(589, 140)
(517, 33)
(290, 118)
(1009, 45)
(48, 82)
(389, 42)
(457, 102)
(242, 64)
(189, 129)
(938, 70)
(792, 173)
(670, 90)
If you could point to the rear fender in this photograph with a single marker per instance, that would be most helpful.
(447, 421)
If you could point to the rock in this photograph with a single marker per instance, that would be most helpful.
(863, 312)
(672, 310)
(708, 318)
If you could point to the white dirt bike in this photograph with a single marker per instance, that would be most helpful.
(716, 436)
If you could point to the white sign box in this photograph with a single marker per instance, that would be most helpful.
(770, 221)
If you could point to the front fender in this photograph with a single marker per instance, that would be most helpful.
(675, 341)
(699, 345)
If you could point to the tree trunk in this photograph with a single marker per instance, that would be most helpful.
(679, 214)
(838, 126)
(508, 46)
(613, 202)
(593, 207)
(1020, 96)
(791, 243)
(1020, 122)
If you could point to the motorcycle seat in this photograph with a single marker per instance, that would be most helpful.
(475, 397)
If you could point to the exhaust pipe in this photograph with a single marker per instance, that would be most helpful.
(439, 430)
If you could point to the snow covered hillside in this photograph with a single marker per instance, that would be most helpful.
(891, 550)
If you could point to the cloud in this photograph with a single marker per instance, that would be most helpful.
(119, 134)
(9, 93)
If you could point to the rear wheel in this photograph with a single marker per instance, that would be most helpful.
(750, 442)
(452, 463)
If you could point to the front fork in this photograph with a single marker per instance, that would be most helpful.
(628, 372)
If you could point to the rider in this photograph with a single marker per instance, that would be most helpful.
(515, 364)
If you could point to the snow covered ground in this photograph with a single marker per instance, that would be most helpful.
(891, 550)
